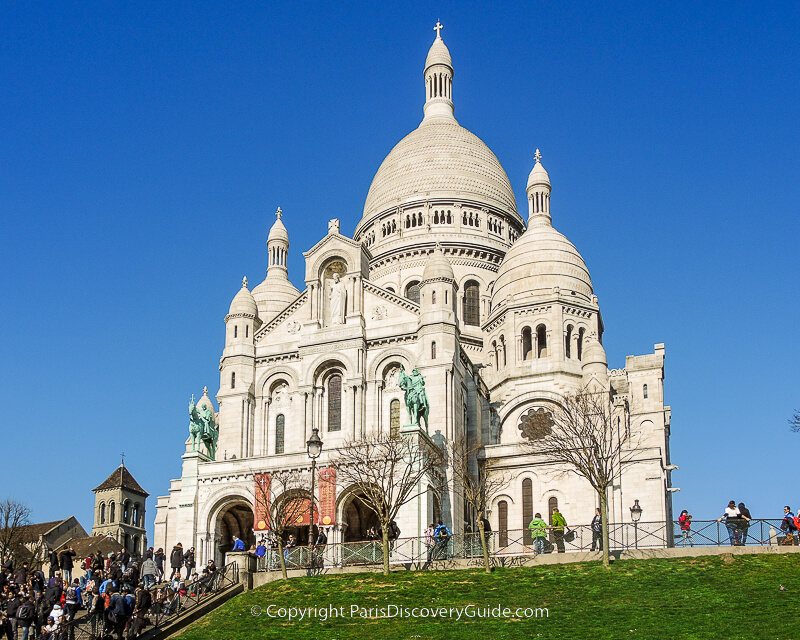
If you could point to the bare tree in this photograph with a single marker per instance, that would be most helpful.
(388, 472)
(281, 500)
(479, 481)
(794, 422)
(14, 517)
(581, 432)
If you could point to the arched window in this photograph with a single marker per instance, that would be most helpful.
(433, 351)
(126, 511)
(135, 521)
(136, 544)
(235, 331)
(113, 515)
(527, 344)
(580, 343)
(502, 522)
(102, 514)
(247, 331)
(445, 297)
(541, 341)
(233, 379)
(527, 509)
(124, 541)
(503, 349)
(335, 403)
(433, 297)
(412, 291)
(390, 289)
(472, 295)
(280, 423)
(644, 392)
(568, 342)
(552, 505)
(394, 419)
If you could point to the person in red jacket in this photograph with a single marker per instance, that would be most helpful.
(685, 521)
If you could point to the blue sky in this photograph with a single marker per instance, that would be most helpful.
(145, 147)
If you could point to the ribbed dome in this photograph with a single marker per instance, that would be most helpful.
(438, 54)
(593, 352)
(439, 159)
(438, 266)
(541, 259)
(273, 295)
(243, 302)
(538, 175)
(278, 232)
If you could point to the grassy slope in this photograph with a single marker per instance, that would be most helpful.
(706, 597)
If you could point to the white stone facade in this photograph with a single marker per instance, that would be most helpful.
(441, 274)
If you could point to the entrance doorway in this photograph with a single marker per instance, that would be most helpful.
(359, 518)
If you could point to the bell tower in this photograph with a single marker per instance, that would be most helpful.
(119, 509)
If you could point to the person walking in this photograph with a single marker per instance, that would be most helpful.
(26, 614)
(731, 517)
(158, 558)
(149, 573)
(558, 522)
(189, 562)
(538, 529)
(176, 558)
(744, 523)
(597, 530)
(685, 522)
(442, 535)
(430, 541)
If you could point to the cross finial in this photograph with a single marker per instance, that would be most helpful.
(244, 282)
(438, 29)
(537, 155)
(279, 213)
(205, 391)
(123, 458)
(192, 397)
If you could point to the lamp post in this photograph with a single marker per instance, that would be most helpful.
(636, 514)
(314, 448)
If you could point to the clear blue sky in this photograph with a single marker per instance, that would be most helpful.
(145, 147)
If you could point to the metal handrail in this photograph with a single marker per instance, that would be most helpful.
(522, 542)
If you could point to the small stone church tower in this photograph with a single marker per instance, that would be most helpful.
(119, 507)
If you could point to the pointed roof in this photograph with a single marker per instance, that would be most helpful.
(121, 478)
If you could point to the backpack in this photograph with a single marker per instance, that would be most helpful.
(796, 522)
(72, 594)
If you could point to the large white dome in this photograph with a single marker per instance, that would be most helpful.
(440, 159)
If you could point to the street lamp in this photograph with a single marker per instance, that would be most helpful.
(636, 514)
(314, 448)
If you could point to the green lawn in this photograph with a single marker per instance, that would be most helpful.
(707, 597)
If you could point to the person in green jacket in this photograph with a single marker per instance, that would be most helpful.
(559, 522)
(538, 529)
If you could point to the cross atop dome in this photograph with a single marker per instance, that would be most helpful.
(244, 282)
(279, 213)
(536, 155)
(438, 29)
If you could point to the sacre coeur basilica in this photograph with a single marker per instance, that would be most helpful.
(496, 310)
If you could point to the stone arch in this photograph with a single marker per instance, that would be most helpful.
(324, 361)
(385, 358)
(265, 379)
(230, 512)
(323, 261)
(355, 515)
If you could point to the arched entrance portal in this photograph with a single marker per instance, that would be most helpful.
(234, 520)
(358, 517)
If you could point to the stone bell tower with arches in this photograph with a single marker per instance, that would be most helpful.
(119, 509)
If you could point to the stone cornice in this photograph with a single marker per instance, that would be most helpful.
(293, 306)
(400, 301)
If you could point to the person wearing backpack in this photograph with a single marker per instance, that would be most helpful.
(97, 607)
(26, 614)
(442, 535)
(71, 601)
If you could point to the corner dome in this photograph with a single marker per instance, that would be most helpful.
(540, 260)
(538, 175)
(243, 302)
(593, 352)
(439, 159)
(438, 267)
(273, 295)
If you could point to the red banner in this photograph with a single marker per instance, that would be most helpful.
(327, 496)
(261, 519)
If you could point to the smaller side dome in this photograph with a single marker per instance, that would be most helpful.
(205, 400)
(438, 267)
(593, 352)
(438, 54)
(243, 303)
(538, 175)
(278, 230)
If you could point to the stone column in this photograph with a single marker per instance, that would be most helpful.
(265, 444)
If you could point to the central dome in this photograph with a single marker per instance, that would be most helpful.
(440, 159)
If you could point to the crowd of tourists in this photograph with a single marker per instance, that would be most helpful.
(115, 598)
